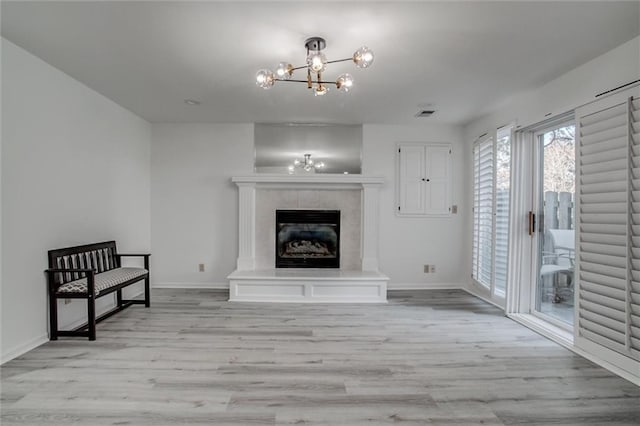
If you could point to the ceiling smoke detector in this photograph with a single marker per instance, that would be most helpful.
(425, 113)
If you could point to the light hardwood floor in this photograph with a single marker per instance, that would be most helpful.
(427, 357)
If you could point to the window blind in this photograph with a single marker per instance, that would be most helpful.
(483, 206)
(502, 194)
(609, 231)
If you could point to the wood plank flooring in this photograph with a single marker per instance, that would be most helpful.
(427, 357)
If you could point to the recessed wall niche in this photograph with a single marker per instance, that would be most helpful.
(278, 145)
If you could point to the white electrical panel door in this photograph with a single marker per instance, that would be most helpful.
(437, 185)
(412, 165)
(424, 179)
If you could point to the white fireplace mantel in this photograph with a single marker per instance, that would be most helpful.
(247, 186)
(308, 181)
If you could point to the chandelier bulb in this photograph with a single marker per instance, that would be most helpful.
(316, 61)
(320, 91)
(265, 79)
(284, 71)
(363, 57)
(344, 83)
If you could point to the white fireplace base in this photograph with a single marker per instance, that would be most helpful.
(308, 285)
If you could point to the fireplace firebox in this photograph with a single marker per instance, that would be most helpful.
(307, 239)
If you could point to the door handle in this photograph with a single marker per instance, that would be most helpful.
(532, 223)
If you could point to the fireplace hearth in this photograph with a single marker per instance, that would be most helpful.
(307, 239)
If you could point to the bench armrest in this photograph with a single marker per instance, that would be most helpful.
(91, 273)
(145, 255)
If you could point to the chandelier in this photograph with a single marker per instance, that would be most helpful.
(316, 65)
(306, 164)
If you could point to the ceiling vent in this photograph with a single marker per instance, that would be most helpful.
(425, 113)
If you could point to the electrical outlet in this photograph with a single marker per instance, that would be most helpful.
(454, 209)
(433, 269)
(201, 267)
(427, 268)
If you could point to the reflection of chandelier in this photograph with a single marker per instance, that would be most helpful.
(316, 64)
(307, 164)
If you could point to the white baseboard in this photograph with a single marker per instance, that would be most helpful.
(214, 286)
(423, 286)
(24, 348)
(483, 297)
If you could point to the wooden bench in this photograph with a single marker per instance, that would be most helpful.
(90, 272)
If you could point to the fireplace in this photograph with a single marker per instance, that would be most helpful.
(356, 226)
(307, 239)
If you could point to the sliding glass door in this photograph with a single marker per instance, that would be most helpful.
(553, 297)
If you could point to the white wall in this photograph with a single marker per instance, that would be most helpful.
(577, 87)
(407, 244)
(75, 169)
(194, 204)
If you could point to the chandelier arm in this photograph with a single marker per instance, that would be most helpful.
(339, 60)
(305, 81)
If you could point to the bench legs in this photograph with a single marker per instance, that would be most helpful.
(90, 327)
(53, 317)
(91, 317)
(147, 294)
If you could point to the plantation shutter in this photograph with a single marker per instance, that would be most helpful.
(502, 195)
(483, 206)
(609, 224)
(634, 290)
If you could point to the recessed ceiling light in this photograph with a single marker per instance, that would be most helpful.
(191, 102)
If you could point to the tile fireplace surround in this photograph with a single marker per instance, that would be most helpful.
(357, 281)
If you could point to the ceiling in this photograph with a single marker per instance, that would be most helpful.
(459, 58)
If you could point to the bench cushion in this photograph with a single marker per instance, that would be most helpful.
(104, 280)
